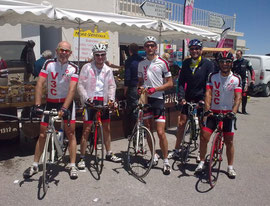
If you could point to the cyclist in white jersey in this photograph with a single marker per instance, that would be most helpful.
(96, 84)
(151, 72)
(223, 95)
(61, 77)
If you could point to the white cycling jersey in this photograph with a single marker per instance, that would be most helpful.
(153, 73)
(223, 91)
(58, 79)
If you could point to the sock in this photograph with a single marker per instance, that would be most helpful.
(82, 156)
(109, 152)
(230, 167)
(201, 163)
(35, 164)
(156, 157)
(166, 161)
(72, 164)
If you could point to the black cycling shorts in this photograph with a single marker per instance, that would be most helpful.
(184, 110)
(89, 114)
(50, 105)
(156, 110)
(211, 125)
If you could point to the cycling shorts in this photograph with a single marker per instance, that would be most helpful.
(184, 110)
(156, 110)
(90, 114)
(211, 125)
(58, 106)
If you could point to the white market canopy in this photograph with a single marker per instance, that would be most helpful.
(15, 12)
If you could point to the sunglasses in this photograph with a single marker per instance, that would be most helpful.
(150, 45)
(225, 61)
(64, 50)
(195, 48)
(100, 55)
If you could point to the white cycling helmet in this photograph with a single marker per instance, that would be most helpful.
(99, 48)
(149, 39)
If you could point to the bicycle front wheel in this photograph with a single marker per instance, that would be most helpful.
(140, 152)
(215, 159)
(186, 142)
(98, 148)
(45, 176)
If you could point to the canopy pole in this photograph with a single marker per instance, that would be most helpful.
(159, 36)
(79, 44)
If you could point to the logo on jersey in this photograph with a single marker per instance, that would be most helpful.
(145, 72)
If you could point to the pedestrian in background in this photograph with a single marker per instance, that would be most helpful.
(131, 82)
(47, 54)
(241, 67)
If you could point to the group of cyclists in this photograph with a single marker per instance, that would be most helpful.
(198, 81)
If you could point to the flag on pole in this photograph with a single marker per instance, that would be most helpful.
(188, 12)
(188, 9)
(223, 36)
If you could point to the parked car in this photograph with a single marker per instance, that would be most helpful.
(261, 66)
(11, 52)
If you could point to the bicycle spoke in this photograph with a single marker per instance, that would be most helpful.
(140, 152)
(215, 159)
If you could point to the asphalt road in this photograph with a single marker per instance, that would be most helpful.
(117, 187)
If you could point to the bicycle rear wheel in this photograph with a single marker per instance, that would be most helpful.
(98, 149)
(140, 152)
(45, 176)
(215, 159)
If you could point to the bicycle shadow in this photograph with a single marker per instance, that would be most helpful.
(92, 168)
(203, 184)
(53, 172)
(124, 166)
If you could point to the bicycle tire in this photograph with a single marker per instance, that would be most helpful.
(45, 176)
(140, 162)
(186, 142)
(99, 150)
(91, 139)
(215, 159)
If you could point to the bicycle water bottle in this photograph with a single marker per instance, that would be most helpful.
(60, 136)
(196, 122)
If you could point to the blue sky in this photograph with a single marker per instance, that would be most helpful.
(252, 19)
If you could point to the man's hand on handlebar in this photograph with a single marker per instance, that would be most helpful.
(37, 110)
(182, 102)
(89, 102)
(64, 112)
(231, 115)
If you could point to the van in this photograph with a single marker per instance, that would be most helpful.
(11, 52)
(261, 66)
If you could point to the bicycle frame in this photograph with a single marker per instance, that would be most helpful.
(51, 132)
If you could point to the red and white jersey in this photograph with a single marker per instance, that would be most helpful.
(58, 79)
(153, 73)
(223, 91)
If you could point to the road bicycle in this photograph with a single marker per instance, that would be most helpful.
(141, 146)
(54, 149)
(214, 159)
(96, 138)
(192, 130)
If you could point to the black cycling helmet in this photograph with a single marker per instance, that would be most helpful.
(195, 42)
(225, 55)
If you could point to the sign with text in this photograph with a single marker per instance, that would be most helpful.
(87, 40)
(153, 9)
(216, 21)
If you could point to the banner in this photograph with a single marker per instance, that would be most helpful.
(87, 40)
(188, 12)
(223, 38)
(188, 9)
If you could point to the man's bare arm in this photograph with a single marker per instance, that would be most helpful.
(38, 90)
(237, 101)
